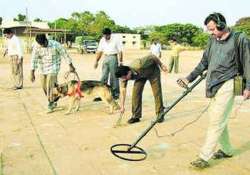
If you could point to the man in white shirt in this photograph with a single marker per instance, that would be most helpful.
(15, 53)
(155, 48)
(111, 47)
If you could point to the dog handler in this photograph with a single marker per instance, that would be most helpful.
(46, 56)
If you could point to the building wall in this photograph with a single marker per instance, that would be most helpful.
(130, 41)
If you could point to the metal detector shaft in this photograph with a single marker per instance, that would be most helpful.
(188, 90)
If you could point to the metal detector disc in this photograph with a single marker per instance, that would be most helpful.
(125, 152)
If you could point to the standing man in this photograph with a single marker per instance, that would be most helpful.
(111, 47)
(15, 53)
(47, 56)
(224, 51)
(176, 49)
(141, 70)
(155, 48)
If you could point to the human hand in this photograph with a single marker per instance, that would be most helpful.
(164, 68)
(122, 110)
(183, 82)
(246, 94)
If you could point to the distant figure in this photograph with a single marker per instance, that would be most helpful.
(15, 53)
(47, 55)
(111, 47)
(155, 48)
(176, 49)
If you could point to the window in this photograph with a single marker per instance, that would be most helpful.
(134, 42)
(134, 36)
(124, 42)
(124, 36)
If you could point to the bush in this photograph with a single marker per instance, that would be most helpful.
(200, 40)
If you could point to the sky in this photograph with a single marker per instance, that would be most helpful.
(132, 13)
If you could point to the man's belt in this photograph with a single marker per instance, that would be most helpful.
(111, 54)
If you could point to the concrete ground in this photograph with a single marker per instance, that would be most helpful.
(35, 143)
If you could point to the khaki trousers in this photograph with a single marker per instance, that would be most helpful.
(16, 71)
(48, 82)
(219, 111)
(139, 84)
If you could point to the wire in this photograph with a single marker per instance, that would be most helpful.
(184, 126)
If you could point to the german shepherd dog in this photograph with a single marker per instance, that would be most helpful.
(78, 89)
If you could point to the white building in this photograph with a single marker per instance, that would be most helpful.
(130, 41)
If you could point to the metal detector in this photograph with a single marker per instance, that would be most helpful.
(131, 152)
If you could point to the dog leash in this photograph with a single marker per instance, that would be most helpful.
(75, 73)
(78, 89)
(118, 122)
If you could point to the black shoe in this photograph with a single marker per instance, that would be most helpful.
(116, 98)
(133, 120)
(97, 99)
(200, 163)
(221, 155)
(161, 119)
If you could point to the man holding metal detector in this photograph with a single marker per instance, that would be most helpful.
(226, 58)
(141, 70)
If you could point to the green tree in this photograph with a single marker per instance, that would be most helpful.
(101, 21)
(88, 24)
(182, 32)
(1, 20)
(158, 36)
(38, 20)
(20, 17)
(200, 40)
(243, 25)
(123, 29)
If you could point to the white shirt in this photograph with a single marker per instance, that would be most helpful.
(14, 47)
(111, 46)
(156, 49)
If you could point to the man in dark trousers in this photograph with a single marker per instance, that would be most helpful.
(141, 70)
(111, 47)
(226, 56)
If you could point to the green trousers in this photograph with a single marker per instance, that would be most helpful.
(174, 63)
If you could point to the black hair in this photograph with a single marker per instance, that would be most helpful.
(7, 31)
(216, 17)
(41, 39)
(173, 38)
(122, 71)
(106, 31)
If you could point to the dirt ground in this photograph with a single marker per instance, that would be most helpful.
(35, 143)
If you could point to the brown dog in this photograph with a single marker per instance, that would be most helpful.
(76, 90)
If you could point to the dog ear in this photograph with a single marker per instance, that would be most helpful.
(56, 85)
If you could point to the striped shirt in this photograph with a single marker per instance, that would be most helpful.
(48, 59)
